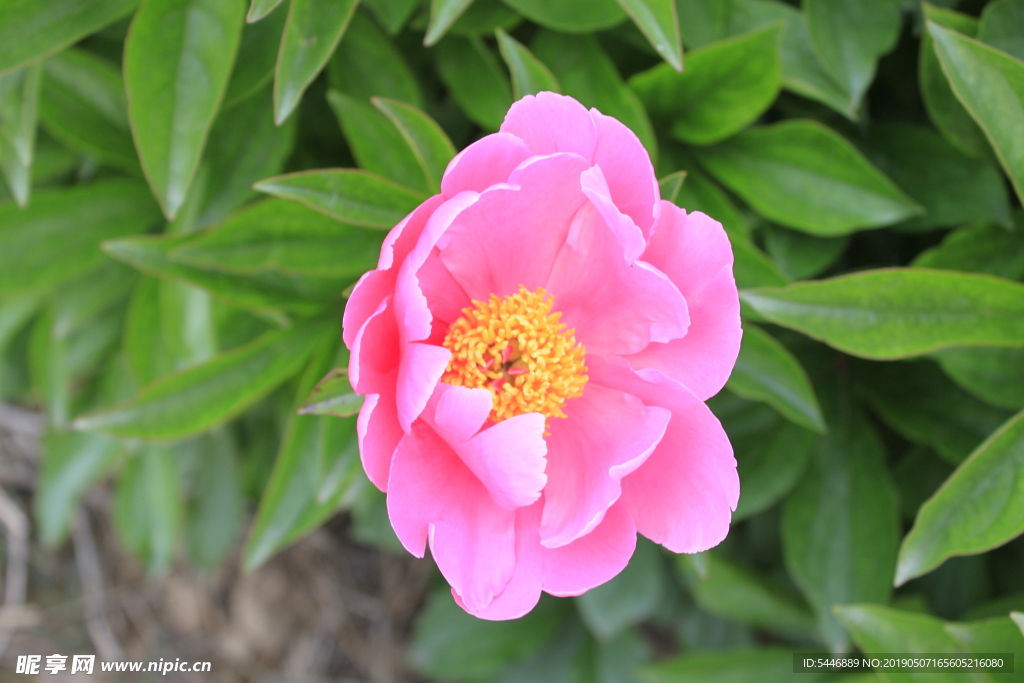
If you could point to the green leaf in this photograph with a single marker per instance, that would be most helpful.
(376, 143)
(944, 109)
(30, 29)
(899, 312)
(725, 87)
(990, 85)
(883, 629)
(214, 517)
(1002, 26)
(281, 236)
(993, 375)
(317, 471)
(348, 195)
(367, 64)
(630, 597)
(443, 14)
(800, 255)
(204, 396)
(58, 237)
(245, 146)
(15, 312)
(571, 16)
(529, 75)
(766, 665)
(671, 184)
(978, 508)
(839, 527)
(767, 371)
(805, 176)
(921, 404)
(332, 395)
(586, 73)
(978, 248)
(392, 13)
(730, 591)
(771, 454)
(475, 79)
(952, 187)
(147, 506)
(261, 8)
(311, 33)
(177, 60)
(659, 21)
(83, 105)
(704, 21)
(265, 294)
(849, 36)
(19, 108)
(257, 55)
(72, 462)
(483, 17)
(428, 142)
(449, 644)
(143, 342)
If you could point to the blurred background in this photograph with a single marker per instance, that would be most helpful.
(174, 261)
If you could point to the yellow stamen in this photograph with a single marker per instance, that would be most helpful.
(515, 348)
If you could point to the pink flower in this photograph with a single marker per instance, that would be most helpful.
(535, 348)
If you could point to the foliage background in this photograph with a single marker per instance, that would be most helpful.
(171, 285)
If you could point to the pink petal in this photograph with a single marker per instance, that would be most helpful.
(403, 237)
(549, 123)
(431, 493)
(366, 296)
(488, 161)
(683, 494)
(379, 433)
(627, 166)
(421, 365)
(419, 372)
(694, 251)
(606, 435)
(458, 413)
(615, 307)
(508, 458)
(595, 186)
(512, 235)
(570, 570)
(593, 559)
(373, 364)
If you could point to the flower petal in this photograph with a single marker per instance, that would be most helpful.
(570, 570)
(508, 457)
(628, 169)
(549, 123)
(694, 251)
(488, 161)
(432, 494)
(379, 433)
(513, 234)
(421, 365)
(606, 435)
(615, 307)
(684, 493)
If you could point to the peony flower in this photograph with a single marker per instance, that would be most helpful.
(535, 348)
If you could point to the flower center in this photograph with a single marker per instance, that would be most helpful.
(515, 347)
